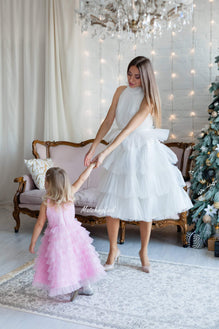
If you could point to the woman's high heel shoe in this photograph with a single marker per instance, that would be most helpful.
(109, 267)
(145, 268)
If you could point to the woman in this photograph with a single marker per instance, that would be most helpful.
(140, 181)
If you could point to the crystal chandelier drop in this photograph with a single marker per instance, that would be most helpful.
(133, 19)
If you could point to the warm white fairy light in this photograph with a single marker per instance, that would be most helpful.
(86, 53)
(103, 100)
(153, 52)
(172, 117)
(101, 81)
(191, 134)
(102, 61)
(192, 93)
(192, 71)
(192, 114)
(210, 65)
(192, 51)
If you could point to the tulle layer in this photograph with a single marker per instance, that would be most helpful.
(141, 182)
(66, 259)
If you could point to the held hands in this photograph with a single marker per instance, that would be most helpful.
(98, 160)
(89, 155)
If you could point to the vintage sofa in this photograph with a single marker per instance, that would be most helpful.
(69, 156)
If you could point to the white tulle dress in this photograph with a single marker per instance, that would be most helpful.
(140, 181)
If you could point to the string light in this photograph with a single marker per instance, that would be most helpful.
(172, 117)
(171, 96)
(192, 72)
(86, 53)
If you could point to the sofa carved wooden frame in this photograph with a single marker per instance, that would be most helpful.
(181, 223)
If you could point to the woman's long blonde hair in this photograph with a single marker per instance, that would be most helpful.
(59, 189)
(149, 86)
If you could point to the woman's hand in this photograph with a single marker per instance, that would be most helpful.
(31, 248)
(89, 155)
(98, 160)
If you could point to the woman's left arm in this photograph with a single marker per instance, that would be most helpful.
(135, 121)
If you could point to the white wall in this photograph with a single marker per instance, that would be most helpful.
(182, 63)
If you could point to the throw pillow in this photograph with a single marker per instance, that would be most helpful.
(38, 168)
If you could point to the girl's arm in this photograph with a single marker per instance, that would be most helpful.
(38, 227)
(82, 178)
(105, 126)
(136, 120)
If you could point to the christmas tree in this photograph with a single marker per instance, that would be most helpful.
(205, 174)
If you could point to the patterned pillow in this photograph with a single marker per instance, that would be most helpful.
(38, 168)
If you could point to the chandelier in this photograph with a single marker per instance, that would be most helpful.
(133, 19)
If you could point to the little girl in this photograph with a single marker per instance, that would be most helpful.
(67, 262)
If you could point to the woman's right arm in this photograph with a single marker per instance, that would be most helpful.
(105, 126)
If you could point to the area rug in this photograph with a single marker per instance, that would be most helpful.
(171, 296)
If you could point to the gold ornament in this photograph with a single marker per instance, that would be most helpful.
(216, 92)
(210, 111)
(201, 135)
(208, 163)
(214, 114)
(202, 181)
(216, 204)
(218, 154)
(206, 219)
(209, 152)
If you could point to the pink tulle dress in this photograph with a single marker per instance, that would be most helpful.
(66, 258)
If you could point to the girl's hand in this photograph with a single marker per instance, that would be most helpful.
(98, 160)
(89, 155)
(31, 248)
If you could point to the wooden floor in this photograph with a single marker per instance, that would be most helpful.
(165, 245)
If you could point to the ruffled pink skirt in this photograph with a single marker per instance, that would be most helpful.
(66, 259)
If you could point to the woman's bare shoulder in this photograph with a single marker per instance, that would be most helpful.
(119, 90)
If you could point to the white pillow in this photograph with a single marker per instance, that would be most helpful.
(38, 168)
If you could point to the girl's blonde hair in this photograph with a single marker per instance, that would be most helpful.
(59, 189)
(149, 86)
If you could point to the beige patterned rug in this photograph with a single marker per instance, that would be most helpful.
(172, 296)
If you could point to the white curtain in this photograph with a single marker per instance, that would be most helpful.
(39, 81)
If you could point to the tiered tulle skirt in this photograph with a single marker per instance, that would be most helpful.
(140, 181)
(66, 260)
